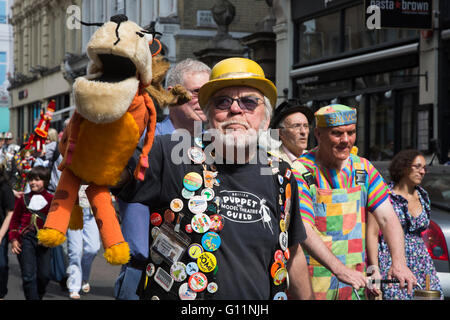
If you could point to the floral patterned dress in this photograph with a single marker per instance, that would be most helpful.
(417, 257)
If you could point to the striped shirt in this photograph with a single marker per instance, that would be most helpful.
(332, 179)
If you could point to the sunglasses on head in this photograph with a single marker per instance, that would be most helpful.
(249, 103)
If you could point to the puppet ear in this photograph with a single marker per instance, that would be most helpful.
(155, 47)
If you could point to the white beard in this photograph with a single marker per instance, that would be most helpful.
(236, 144)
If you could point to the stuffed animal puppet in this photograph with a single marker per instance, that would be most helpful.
(113, 109)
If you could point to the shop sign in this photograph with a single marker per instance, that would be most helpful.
(405, 14)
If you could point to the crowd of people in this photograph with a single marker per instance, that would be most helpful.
(235, 220)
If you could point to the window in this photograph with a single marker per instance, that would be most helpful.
(319, 37)
(381, 127)
(342, 31)
(3, 15)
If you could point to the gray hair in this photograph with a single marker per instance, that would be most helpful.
(176, 74)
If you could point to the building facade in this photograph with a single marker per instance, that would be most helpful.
(49, 44)
(393, 76)
(41, 42)
(6, 63)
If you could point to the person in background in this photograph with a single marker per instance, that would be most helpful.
(6, 210)
(191, 74)
(412, 206)
(82, 246)
(29, 215)
(294, 122)
(336, 192)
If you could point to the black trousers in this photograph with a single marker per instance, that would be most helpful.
(35, 266)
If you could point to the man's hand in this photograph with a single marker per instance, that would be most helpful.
(403, 275)
(352, 277)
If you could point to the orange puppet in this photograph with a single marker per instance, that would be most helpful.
(112, 111)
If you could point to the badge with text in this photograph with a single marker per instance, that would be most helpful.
(163, 279)
(200, 223)
(197, 204)
(207, 262)
(169, 244)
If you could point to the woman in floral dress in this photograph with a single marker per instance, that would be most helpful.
(412, 205)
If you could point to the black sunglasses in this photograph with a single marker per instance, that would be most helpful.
(249, 103)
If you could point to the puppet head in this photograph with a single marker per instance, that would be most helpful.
(120, 61)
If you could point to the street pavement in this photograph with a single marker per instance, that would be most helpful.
(103, 276)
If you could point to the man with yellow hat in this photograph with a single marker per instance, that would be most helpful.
(224, 214)
(336, 190)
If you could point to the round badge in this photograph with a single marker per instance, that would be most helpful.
(195, 250)
(280, 276)
(277, 265)
(187, 194)
(178, 271)
(155, 232)
(198, 282)
(212, 287)
(216, 222)
(192, 181)
(155, 219)
(169, 216)
(197, 204)
(196, 155)
(278, 255)
(150, 270)
(176, 205)
(208, 193)
(186, 293)
(191, 268)
(211, 241)
(283, 239)
(207, 262)
(200, 223)
(188, 228)
(280, 296)
(288, 191)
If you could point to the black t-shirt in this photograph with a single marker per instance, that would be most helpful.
(250, 235)
(6, 200)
